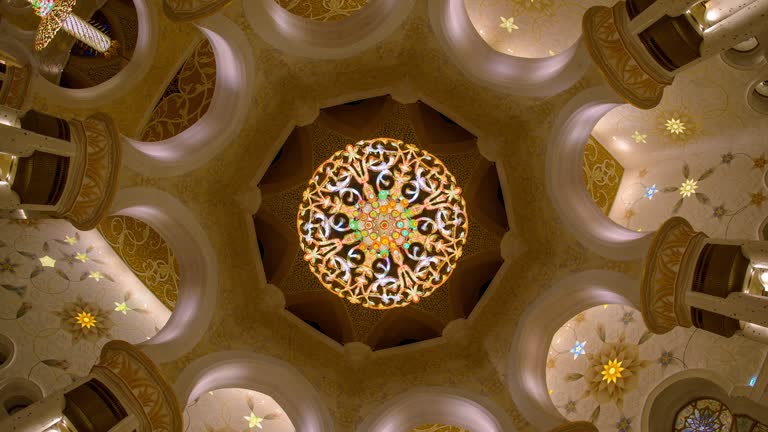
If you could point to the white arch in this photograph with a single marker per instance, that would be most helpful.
(223, 120)
(147, 12)
(526, 371)
(268, 375)
(326, 40)
(198, 266)
(443, 405)
(523, 76)
(565, 150)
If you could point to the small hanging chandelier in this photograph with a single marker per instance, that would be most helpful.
(57, 14)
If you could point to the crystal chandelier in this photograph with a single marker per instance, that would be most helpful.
(56, 15)
(382, 223)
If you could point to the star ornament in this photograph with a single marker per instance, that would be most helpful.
(638, 137)
(70, 240)
(47, 261)
(122, 307)
(650, 192)
(508, 24)
(578, 349)
(612, 371)
(81, 256)
(97, 275)
(254, 421)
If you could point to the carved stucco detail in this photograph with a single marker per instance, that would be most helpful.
(102, 167)
(191, 10)
(617, 65)
(660, 273)
(145, 382)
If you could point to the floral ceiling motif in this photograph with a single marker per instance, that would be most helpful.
(236, 410)
(322, 10)
(146, 253)
(187, 97)
(63, 294)
(604, 361)
(382, 223)
(529, 28)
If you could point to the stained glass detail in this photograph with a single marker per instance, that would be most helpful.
(704, 415)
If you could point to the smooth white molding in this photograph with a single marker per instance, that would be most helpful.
(244, 369)
(526, 370)
(198, 267)
(566, 190)
(303, 37)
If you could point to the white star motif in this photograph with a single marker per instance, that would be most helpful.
(508, 24)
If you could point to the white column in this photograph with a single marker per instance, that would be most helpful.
(755, 332)
(756, 251)
(21, 142)
(37, 417)
(657, 10)
(741, 25)
(739, 306)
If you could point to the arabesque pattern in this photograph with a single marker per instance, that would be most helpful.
(601, 173)
(382, 223)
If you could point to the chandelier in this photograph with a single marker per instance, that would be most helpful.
(56, 15)
(382, 223)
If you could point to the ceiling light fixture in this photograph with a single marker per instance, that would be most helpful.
(382, 223)
(56, 15)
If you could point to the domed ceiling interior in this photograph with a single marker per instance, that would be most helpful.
(284, 183)
(700, 154)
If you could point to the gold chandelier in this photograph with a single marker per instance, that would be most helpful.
(56, 15)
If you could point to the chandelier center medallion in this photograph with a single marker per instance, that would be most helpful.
(382, 223)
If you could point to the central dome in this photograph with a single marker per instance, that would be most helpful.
(382, 223)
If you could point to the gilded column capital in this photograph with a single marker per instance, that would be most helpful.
(15, 88)
(661, 289)
(631, 79)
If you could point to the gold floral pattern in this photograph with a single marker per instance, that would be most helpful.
(146, 253)
(102, 167)
(601, 173)
(186, 98)
(677, 125)
(322, 10)
(84, 321)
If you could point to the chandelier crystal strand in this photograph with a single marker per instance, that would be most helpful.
(56, 15)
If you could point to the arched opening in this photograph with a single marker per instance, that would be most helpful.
(603, 362)
(176, 139)
(188, 245)
(437, 406)
(540, 77)
(299, 35)
(530, 29)
(7, 351)
(265, 377)
(236, 408)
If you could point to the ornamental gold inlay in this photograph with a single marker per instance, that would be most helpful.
(146, 253)
(602, 174)
(382, 223)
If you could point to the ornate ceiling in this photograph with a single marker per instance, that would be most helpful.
(282, 188)
(300, 110)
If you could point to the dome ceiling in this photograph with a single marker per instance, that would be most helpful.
(283, 186)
